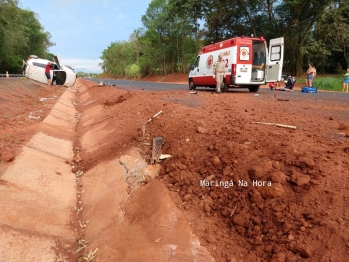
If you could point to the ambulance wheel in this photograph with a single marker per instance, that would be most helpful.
(225, 87)
(253, 89)
(191, 85)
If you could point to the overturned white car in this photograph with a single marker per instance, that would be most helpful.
(62, 75)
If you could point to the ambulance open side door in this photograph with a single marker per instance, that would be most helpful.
(275, 59)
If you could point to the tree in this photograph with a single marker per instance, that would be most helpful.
(333, 31)
(21, 34)
(175, 30)
(117, 57)
(298, 20)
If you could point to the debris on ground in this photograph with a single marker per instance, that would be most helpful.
(275, 124)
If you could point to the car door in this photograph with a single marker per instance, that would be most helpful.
(194, 70)
(58, 61)
(275, 59)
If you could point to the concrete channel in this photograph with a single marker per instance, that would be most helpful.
(52, 211)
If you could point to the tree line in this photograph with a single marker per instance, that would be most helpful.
(174, 31)
(21, 35)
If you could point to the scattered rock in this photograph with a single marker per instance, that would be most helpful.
(276, 165)
(216, 161)
(210, 239)
(279, 208)
(343, 127)
(151, 172)
(260, 169)
(300, 179)
(331, 118)
(187, 197)
(278, 177)
(256, 221)
(202, 130)
(181, 166)
(242, 220)
(207, 208)
(256, 197)
(252, 257)
(258, 240)
(77, 158)
(213, 195)
(241, 230)
(227, 171)
(280, 257)
(6, 156)
(273, 191)
(306, 160)
(300, 249)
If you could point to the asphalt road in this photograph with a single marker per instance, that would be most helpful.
(138, 85)
(336, 97)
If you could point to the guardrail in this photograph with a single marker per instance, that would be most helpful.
(11, 75)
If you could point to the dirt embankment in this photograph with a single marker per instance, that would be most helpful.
(250, 192)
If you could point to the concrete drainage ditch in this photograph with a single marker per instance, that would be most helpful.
(52, 210)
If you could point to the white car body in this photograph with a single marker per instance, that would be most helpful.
(34, 69)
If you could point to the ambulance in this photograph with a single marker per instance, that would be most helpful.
(248, 63)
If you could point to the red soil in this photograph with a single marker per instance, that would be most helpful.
(300, 213)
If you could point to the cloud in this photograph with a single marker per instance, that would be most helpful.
(87, 64)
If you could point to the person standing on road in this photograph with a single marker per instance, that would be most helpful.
(310, 75)
(346, 81)
(47, 72)
(219, 73)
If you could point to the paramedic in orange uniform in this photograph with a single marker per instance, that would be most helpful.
(219, 73)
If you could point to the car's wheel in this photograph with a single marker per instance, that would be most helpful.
(253, 89)
(225, 87)
(191, 85)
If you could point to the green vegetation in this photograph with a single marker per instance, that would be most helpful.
(83, 74)
(330, 83)
(7, 139)
(133, 71)
(21, 35)
(175, 30)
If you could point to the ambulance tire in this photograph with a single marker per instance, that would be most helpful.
(253, 89)
(191, 85)
(225, 87)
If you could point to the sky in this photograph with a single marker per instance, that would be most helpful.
(82, 29)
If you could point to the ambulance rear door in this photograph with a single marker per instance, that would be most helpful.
(275, 59)
(244, 61)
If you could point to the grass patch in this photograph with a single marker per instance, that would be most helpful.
(330, 83)
(7, 139)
